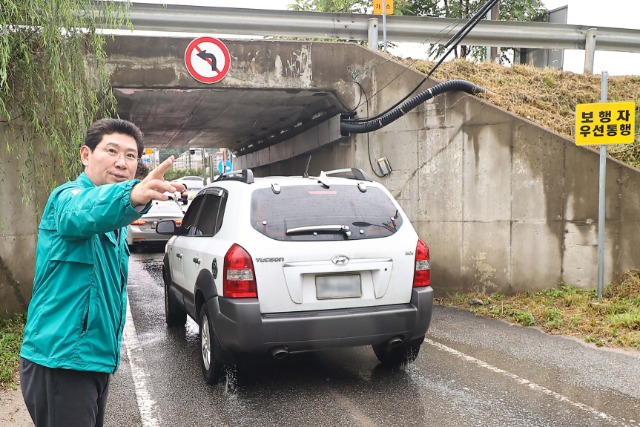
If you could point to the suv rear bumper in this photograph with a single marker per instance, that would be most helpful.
(241, 327)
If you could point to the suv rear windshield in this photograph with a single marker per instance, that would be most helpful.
(316, 213)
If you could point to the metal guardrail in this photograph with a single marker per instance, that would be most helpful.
(347, 26)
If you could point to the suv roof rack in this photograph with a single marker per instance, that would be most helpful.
(244, 175)
(355, 173)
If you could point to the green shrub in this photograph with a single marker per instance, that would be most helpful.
(10, 342)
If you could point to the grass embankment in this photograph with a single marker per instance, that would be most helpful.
(10, 342)
(613, 322)
(545, 96)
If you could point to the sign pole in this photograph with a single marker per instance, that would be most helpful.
(601, 124)
(384, 24)
(601, 200)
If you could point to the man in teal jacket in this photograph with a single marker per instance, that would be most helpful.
(77, 312)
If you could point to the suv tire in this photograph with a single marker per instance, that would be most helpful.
(401, 355)
(212, 368)
(174, 315)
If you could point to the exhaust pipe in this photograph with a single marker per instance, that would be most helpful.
(279, 353)
(394, 342)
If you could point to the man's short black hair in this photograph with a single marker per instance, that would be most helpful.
(103, 127)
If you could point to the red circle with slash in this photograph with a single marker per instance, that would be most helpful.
(207, 59)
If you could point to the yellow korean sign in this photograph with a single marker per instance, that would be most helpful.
(605, 123)
(148, 151)
(377, 7)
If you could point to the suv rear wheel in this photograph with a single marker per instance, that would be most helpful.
(212, 368)
(404, 353)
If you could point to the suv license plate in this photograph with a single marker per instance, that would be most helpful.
(338, 286)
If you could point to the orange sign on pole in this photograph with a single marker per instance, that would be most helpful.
(377, 7)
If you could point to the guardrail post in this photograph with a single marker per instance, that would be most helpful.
(590, 50)
(373, 33)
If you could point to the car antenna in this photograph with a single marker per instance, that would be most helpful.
(306, 170)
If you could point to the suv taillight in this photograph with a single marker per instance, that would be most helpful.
(422, 273)
(239, 279)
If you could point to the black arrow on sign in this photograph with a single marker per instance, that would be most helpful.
(209, 56)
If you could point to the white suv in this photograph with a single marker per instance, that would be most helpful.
(279, 265)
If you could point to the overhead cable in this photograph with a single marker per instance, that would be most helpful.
(393, 115)
(456, 39)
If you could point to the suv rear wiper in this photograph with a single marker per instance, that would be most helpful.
(324, 228)
(390, 226)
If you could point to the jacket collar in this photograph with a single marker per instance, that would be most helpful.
(84, 181)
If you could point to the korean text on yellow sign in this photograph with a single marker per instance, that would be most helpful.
(377, 7)
(605, 123)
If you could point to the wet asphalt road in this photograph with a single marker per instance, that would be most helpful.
(470, 372)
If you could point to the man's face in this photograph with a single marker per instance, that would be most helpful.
(113, 160)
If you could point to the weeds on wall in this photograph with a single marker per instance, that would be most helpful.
(544, 95)
(53, 82)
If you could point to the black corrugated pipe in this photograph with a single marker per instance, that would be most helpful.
(346, 127)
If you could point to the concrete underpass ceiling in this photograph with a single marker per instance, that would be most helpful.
(274, 92)
(243, 120)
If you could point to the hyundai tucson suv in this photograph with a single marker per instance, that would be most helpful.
(281, 265)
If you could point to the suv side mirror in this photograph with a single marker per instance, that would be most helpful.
(167, 227)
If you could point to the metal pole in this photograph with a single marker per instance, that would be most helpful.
(373, 34)
(487, 51)
(495, 16)
(590, 50)
(384, 24)
(601, 199)
(202, 162)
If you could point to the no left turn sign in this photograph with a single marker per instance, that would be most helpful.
(207, 59)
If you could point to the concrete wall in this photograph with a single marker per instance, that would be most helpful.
(503, 204)
(23, 196)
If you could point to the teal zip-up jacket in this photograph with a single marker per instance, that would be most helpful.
(78, 308)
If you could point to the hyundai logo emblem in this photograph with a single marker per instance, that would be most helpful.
(340, 260)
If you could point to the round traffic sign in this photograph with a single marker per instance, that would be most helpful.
(207, 59)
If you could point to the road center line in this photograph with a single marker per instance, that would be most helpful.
(522, 381)
(146, 405)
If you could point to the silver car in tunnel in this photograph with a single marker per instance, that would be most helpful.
(143, 230)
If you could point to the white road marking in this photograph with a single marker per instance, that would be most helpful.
(522, 381)
(146, 404)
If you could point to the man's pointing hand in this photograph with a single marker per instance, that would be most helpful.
(154, 186)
